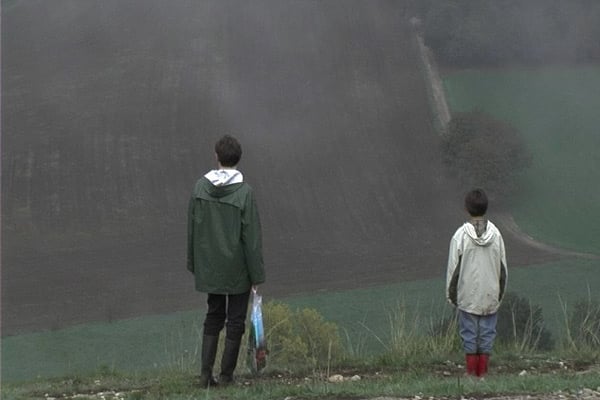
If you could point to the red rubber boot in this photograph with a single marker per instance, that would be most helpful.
(472, 363)
(482, 365)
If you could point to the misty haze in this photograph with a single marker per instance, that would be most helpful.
(110, 110)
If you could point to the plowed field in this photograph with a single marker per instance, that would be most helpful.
(109, 113)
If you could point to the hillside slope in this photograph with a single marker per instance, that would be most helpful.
(109, 113)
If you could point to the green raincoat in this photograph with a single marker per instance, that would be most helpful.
(224, 238)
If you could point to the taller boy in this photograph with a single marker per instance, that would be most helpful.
(476, 281)
(225, 255)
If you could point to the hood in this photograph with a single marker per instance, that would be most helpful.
(224, 177)
(221, 182)
(481, 233)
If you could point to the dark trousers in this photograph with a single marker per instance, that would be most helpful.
(226, 309)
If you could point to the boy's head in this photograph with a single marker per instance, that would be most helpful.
(229, 151)
(476, 203)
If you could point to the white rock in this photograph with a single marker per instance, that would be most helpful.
(523, 373)
(355, 378)
(336, 378)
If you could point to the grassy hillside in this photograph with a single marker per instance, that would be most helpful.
(556, 109)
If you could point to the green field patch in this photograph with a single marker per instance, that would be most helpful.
(556, 110)
(364, 316)
(155, 342)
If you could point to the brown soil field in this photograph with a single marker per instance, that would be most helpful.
(109, 114)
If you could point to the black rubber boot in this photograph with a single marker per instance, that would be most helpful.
(209, 353)
(229, 360)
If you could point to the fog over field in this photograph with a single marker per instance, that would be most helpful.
(110, 110)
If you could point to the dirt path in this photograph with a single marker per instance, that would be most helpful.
(510, 226)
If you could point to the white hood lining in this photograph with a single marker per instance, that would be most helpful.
(224, 177)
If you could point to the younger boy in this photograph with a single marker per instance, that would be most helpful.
(476, 281)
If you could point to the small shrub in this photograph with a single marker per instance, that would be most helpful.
(403, 334)
(356, 343)
(300, 338)
(521, 325)
(411, 339)
(444, 333)
(584, 324)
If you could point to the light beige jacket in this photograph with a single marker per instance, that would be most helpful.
(477, 273)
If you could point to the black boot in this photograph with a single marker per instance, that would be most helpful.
(209, 353)
(229, 360)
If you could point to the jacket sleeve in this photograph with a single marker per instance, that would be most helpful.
(503, 270)
(190, 236)
(252, 240)
(453, 271)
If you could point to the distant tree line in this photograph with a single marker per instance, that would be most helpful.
(500, 32)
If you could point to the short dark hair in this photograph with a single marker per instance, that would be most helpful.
(476, 202)
(229, 151)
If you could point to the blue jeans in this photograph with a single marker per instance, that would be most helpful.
(477, 332)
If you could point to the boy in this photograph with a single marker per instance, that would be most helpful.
(225, 255)
(476, 281)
